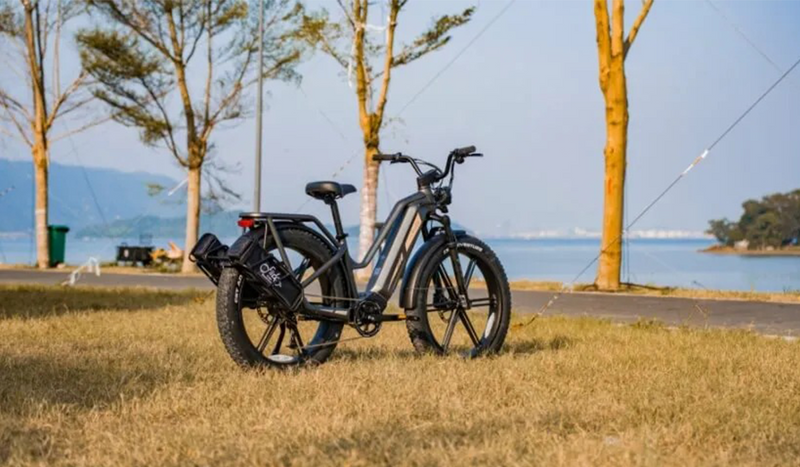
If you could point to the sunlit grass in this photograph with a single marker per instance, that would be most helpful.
(144, 380)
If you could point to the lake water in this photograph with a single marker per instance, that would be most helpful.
(661, 262)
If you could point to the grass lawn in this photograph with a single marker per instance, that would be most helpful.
(132, 377)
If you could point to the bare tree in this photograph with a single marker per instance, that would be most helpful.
(354, 49)
(34, 29)
(612, 49)
(143, 53)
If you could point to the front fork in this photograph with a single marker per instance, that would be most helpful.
(452, 246)
(460, 294)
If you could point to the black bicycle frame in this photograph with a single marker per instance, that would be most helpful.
(398, 235)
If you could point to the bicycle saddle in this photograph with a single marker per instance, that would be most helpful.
(322, 190)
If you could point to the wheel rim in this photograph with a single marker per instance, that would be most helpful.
(463, 326)
(275, 333)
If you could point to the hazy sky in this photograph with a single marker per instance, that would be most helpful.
(526, 94)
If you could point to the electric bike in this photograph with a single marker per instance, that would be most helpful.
(286, 288)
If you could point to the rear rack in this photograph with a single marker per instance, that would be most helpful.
(271, 217)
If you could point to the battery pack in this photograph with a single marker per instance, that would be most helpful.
(267, 274)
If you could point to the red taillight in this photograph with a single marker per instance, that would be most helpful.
(247, 223)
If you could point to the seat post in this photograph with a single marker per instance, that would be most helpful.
(337, 219)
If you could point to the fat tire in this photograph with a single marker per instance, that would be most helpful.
(417, 325)
(230, 292)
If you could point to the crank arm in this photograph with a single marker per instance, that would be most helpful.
(388, 318)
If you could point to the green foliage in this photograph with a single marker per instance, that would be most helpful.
(128, 76)
(434, 38)
(335, 38)
(139, 53)
(773, 221)
(9, 22)
(48, 14)
(155, 189)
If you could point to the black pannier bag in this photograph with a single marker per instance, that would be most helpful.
(209, 253)
(267, 273)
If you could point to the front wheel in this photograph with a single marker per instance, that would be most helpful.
(463, 301)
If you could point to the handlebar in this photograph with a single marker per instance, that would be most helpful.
(386, 157)
(455, 156)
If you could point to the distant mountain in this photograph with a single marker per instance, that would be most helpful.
(222, 224)
(120, 195)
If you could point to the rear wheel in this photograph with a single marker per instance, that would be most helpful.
(471, 324)
(257, 335)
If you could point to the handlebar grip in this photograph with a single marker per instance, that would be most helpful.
(464, 151)
(384, 157)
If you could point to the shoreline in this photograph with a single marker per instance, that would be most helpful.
(104, 269)
(516, 285)
(728, 250)
(657, 291)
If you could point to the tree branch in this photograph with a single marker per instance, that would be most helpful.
(83, 127)
(73, 106)
(210, 68)
(360, 14)
(20, 128)
(387, 65)
(646, 5)
(316, 30)
(434, 38)
(347, 14)
(10, 103)
(125, 19)
(333, 53)
(603, 41)
(57, 54)
(617, 29)
(62, 98)
(8, 133)
(168, 135)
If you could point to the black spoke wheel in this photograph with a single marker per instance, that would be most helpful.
(258, 334)
(463, 302)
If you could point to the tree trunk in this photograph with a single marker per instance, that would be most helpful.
(192, 216)
(610, 263)
(369, 208)
(40, 170)
(612, 48)
(39, 149)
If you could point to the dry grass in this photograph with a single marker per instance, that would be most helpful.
(658, 291)
(145, 381)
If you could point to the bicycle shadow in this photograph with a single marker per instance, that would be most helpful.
(33, 301)
(89, 383)
(372, 353)
(531, 346)
(513, 348)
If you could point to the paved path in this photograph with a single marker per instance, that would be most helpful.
(771, 318)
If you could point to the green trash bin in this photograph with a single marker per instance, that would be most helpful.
(57, 234)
